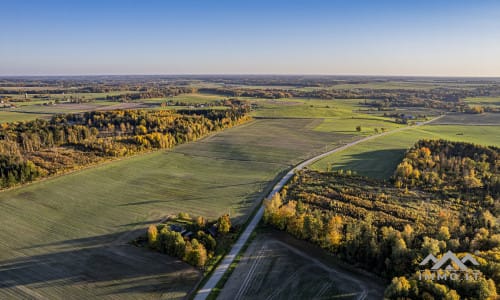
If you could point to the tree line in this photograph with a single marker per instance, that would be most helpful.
(43, 147)
(439, 98)
(161, 92)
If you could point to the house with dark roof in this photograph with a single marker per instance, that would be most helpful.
(212, 230)
(177, 228)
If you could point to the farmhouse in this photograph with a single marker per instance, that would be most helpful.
(178, 228)
(212, 230)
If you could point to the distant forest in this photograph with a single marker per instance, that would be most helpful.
(385, 98)
(269, 87)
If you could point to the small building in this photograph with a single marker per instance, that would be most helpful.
(212, 230)
(177, 228)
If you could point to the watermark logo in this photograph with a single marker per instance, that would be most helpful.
(449, 266)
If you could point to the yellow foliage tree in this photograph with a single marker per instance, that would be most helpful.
(153, 236)
(334, 232)
(224, 224)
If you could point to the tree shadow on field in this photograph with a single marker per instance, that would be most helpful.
(143, 202)
(95, 267)
(86, 242)
(174, 199)
(145, 223)
(222, 186)
(377, 164)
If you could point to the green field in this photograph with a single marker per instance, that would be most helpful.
(195, 98)
(9, 116)
(64, 107)
(27, 111)
(470, 119)
(338, 116)
(60, 234)
(379, 157)
(306, 108)
(348, 124)
(67, 95)
(485, 101)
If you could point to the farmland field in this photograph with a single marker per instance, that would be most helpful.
(195, 98)
(348, 124)
(277, 266)
(307, 108)
(53, 229)
(67, 95)
(27, 111)
(379, 157)
(30, 110)
(9, 116)
(76, 107)
(486, 101)
(470, 119)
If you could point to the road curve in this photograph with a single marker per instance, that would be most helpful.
(203, 293)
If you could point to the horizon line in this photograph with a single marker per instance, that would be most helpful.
(248, 74)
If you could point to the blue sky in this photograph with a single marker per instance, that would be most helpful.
(456, 38)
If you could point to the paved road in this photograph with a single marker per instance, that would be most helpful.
(226, 262)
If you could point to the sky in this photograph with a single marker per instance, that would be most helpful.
(73, 37)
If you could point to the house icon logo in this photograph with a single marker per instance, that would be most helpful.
(449, 266)
(454, 262)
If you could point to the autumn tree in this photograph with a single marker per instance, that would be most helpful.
(196, 254)
(334, 232)
(224, 224)
(153, 236)
(271, 207)
(207, 240)
(398, 289)
(201, 222)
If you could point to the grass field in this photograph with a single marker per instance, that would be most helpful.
(67, 95)
(307, 108)
(78, 107)
(32, 110)
(348, 124)
(338, 116)
(275, 267)
(66, 235)
(196, 98)
(9, 116)
(486, 101)
(379, 157)
(470, 119)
